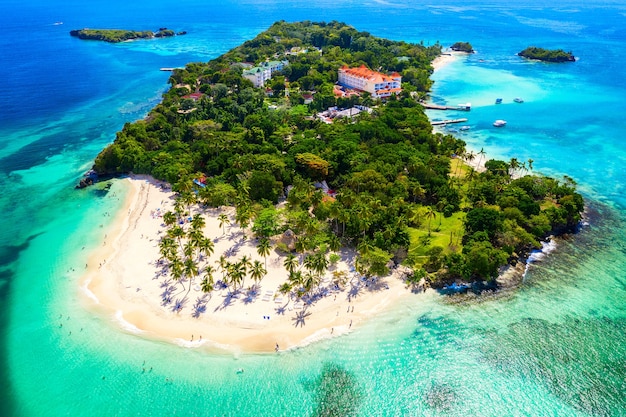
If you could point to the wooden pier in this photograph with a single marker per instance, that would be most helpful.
(449, 121)
(461, 107)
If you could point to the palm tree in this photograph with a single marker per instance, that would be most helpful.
(223, 264)
(188, 198)
(257, 272)
(191, 270)
(167, 247)
(291, 263)
(310, 281)
(481, 153)
(334, 244)
(179, 208)
(243, 212)
(226, 278)
(430, 215)
(296, 277)
(460, 154)
(177, 270)
(469, 157)
(365, 246)
(245, 264)
(418, 191)
(320, 263)
(207, 282)
(415, 215)
(224, 220)
(513, 166)
(530, 164)
(177, 233)
(470, 173)
(237, 274)
(198, 222)
(308, 262)
(206, 246)
(301, 244)
(284, 288)
(264, 248)
(169, 218)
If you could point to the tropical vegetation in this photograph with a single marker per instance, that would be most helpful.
(120, 35)
(548, 55)
(381, 182)
(462, 47)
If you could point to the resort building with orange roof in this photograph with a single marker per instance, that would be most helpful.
(377, 84)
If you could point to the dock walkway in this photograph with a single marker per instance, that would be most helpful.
(461, 107)
(449, 121)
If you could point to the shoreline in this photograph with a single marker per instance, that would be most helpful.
(121, 284)
(446, 58)
(443, 60)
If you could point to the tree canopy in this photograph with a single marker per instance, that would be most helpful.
(380, 181)
(462, 47)
(549, 55)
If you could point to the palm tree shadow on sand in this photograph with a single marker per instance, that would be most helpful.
(228, 300)
(300, 318)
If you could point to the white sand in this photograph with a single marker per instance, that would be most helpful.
(121, 283)
(444, 59)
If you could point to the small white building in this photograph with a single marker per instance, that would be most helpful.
(262, 73)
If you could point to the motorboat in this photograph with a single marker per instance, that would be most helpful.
(498, 101)
(499, 123)
(518, 100)
(464, 128)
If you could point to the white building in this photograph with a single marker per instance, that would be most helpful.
(259, 75)
(377, 84)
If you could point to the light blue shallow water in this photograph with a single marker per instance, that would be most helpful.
(556, 346)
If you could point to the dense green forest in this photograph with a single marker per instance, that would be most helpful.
(400, 193)
(462, 47)
(548, 55)
(121, 35)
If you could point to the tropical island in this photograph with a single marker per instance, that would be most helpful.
(463, 47)
(329, 178)
(547, 55)
(121, 35)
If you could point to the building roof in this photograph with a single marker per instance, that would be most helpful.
(194, 96)
(368, 74)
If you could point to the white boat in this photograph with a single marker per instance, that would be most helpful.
(499, 123)
(518, 100)
(464, 128)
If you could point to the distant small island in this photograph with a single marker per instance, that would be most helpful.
(121, 35)
(547, 55)
(463, 47)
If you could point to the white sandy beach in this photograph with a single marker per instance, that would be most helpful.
(444, 59)
(121, 282)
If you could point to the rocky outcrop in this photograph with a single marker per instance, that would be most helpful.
(90, 178)
(547, 55)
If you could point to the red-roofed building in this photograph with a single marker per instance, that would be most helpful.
(194, 96)
(377, 84)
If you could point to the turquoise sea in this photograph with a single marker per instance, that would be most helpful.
(554, 347)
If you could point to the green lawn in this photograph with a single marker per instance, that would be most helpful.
(440, 235)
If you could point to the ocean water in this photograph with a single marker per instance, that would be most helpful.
(555, 346)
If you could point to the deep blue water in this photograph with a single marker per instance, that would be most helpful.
(554, 347)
